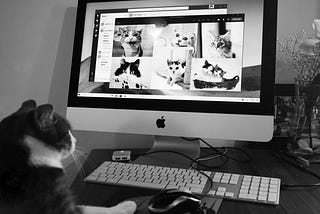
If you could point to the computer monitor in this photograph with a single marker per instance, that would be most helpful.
(182, 68)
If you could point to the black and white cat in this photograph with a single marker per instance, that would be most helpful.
(215, 73)
(128, 74)
(130, 40)
(33, 141)
(222, 44)
(176, 71)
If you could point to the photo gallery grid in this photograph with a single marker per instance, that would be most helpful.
(177, 53)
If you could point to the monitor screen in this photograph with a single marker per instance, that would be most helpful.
(141, 61)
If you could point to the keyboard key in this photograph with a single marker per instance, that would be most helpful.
(229, 194)
(262, 197)
(272, 197)
(220, 193)
(196, 190)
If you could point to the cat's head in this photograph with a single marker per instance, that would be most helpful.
(214, 70)
(176, 65)
(129, 68)
(35, 136)
(183, 39)
(218, 71)
(221, 41)
(131, 36)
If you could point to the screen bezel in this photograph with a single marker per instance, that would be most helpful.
(265, 107)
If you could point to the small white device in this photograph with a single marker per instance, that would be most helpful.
(122, 155)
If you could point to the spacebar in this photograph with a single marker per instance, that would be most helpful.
(142, 184)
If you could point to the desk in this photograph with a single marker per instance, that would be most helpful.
(264, 163)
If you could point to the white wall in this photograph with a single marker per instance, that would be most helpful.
(36, 41)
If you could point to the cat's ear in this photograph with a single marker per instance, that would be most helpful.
(183, 64)
(44, 116)
(122, 62)
(206, 62)
(169, 62)
(213, 33)
(227, 35)
(140, 31)
(121, 30)
(137, 62)
(28, 105)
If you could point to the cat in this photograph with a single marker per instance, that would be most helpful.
(216, 73)
(183, 39)
(131, 41)
(128, 68)
(34, 140)
(176, 71)
(128, 74)
(222, 44)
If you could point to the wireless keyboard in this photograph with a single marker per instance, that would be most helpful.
(225, 185)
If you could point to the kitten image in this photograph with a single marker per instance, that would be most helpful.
(216, 72)
(34, 140)
(176, 71)
(131, 41)
(128, 74)
(222, 44)
(183, 39)
(128, 68)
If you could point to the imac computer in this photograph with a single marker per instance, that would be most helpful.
(175, 68)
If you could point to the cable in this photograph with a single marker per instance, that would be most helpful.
(249, 158)
(289, 186)
(210, 157)
(293, 186)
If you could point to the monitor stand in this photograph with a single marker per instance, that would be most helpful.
(164, 144)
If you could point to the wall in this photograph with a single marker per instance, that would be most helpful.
(36, 43)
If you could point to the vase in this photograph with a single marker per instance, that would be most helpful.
(305, 122)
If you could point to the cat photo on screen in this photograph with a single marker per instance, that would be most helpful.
(130, 73)
(33, 142)
(133, 41)
(222, 40)
(215, 75)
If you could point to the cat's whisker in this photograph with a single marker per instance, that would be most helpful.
(88, 161)
(79, 166)
(84, 158)
(82, 149)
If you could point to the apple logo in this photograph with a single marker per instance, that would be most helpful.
(160, 122)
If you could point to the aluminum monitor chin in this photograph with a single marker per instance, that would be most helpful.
(202, 69)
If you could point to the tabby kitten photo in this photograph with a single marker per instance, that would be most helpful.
(222, 44)
(131, 41)
(33, 142)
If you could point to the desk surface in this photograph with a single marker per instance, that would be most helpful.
(264, 163)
